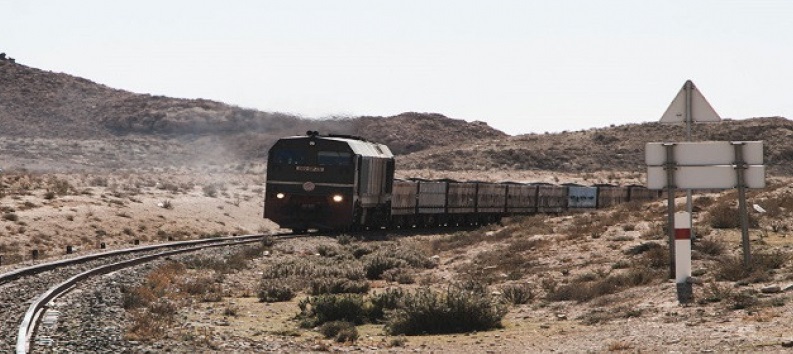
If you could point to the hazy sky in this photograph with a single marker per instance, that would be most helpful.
(522, 66)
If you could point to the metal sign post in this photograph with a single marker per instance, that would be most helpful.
(669, 166)
(740, 167)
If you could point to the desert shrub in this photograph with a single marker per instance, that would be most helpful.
(725, 216)
(274, 291)
(49, 195)
(743, 300)
(344, 239)
(317, 268)
(586, 290)
(317, 310)
(163, 308)
(337, 286)
(761, 264)
(60, 186)
(399, 275)
(379, 303)
(359, 251)
(655, 258)
(205, 288)
(710, 246)
(341, 331)
(375, 266)
(777, 205)
(489, 266)
(464, 239)
(328, 251)
(517, 294)
(713, 292)
(210, 191)
(455, 311)
(10, 217)
(527, 244)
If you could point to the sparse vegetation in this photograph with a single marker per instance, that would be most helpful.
(457, 310)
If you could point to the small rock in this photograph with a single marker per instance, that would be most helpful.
(788, 287)
(773, 289)
(788, 344)
(561, 316)
(694, 280)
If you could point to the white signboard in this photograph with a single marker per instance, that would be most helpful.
(704, 153)
(706, 177)
(705, 165)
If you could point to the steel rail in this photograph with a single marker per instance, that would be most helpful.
(39, 268)
(30, 320)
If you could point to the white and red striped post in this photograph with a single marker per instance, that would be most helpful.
(682, 247)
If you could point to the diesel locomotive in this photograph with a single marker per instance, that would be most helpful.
(339, 182)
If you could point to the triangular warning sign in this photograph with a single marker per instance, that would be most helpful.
(701, 110)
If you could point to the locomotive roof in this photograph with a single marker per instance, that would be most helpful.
(358, 146)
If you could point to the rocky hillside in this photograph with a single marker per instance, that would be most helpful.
(613, 148)
(41, 104)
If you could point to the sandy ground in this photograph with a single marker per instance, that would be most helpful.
(117, 208)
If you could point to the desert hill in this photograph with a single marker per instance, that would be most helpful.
(614, 148)
(38, 104)
(55, 120)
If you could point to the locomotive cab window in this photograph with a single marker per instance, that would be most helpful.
(334, 158)
(289, 157)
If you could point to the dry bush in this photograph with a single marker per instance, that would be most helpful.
(583, 289)
(337, 286)
(714, 292)
(340, 331)
(710, 246)
(317, 310)
(518, 294)
(275, 291)
(760, 267)
(463, 239)
(399, 275)
(489, 266)
(457, 310)
(778, 205)
(587, 225)
(378, 304)
(206, 288)
(724, 216)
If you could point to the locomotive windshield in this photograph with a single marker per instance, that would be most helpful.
(334, 158)
(290, 157)
(303, 157)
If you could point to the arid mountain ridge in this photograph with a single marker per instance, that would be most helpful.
(41, 109)
(41, 104)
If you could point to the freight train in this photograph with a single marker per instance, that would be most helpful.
(340, 182)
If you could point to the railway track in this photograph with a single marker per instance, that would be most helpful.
(25, 292)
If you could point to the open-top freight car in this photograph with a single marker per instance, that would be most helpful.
(341, 182)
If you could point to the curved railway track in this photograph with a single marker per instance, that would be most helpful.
(25, 292)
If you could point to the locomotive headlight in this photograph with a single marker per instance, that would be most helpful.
(338, 198)
(280, 196)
